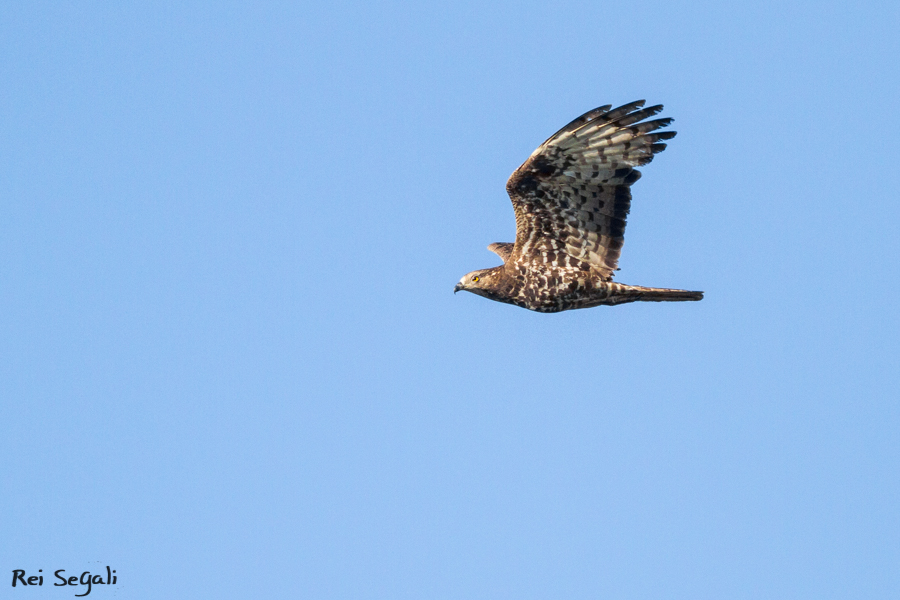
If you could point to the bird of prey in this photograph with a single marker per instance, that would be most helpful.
(571, 198)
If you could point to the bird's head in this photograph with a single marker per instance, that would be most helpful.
(477, 282)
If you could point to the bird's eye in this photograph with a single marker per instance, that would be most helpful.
(475, 278)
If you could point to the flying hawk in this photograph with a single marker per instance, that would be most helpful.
(571, 198)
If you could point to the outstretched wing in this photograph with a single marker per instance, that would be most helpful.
(572, 196)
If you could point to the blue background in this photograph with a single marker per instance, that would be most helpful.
(231, 364)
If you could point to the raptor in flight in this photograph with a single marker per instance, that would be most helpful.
(571, 198)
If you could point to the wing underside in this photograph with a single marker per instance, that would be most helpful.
(572, 196)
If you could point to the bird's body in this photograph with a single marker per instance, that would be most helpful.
(554, 289)
(571, 198)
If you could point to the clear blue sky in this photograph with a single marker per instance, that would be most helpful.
(231, 361)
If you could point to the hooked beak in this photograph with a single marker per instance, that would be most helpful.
(457, 288)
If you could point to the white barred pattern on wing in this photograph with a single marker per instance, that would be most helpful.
(572, 196)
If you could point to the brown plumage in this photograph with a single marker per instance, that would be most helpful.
(571, 198)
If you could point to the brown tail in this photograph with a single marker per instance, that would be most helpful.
(671, 296)
(636, 293)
